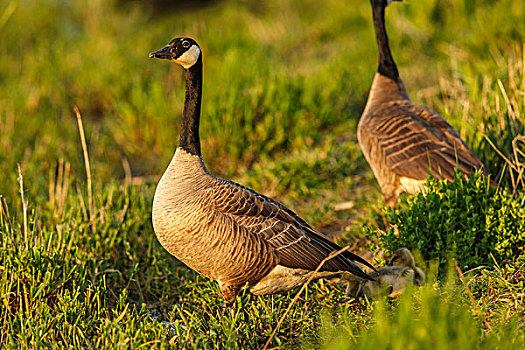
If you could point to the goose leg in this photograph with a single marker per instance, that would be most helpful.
(229, 292)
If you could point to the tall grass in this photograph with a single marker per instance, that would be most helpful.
(429, 318)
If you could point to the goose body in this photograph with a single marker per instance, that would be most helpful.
(189, 203)
(223, 230)
(404, 142)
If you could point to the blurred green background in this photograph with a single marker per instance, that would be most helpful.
(285, 82)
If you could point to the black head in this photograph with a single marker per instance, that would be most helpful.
(184, 51)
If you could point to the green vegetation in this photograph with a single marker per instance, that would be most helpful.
(434, 318)
(285, 83)
(468, 220)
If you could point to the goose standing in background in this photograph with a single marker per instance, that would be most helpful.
(404, 142)
(223, 230)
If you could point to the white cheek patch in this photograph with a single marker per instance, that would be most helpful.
(188, 58)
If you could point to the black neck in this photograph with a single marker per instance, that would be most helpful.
(387, 66)
(189, 131)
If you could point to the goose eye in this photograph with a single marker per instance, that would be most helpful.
(185, 44)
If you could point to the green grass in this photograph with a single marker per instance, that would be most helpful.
(437, 318)
(285, 84)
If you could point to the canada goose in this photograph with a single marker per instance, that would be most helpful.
(390, 280)
(403, 142)
(223, 230)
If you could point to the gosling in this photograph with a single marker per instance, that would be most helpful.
(391, 280)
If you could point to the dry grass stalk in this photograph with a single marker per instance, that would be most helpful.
(24, 207)
(58, 187)
(88, 168)
(127, 172)
(81, 201)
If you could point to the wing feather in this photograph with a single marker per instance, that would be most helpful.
(415, 138)
(296, 243)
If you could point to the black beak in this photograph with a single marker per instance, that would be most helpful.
(164, 53)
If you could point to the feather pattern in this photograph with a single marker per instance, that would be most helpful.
(416, 139)
(297, 244)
